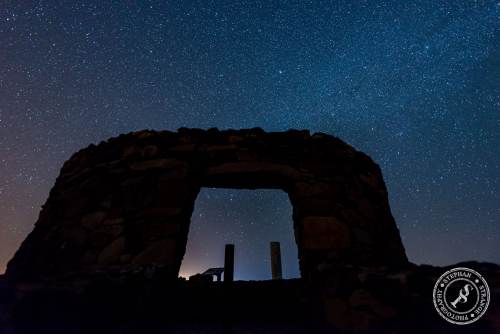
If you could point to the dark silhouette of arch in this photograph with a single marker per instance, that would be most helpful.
(126, 203)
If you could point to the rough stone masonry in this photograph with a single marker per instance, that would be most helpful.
(126, 203)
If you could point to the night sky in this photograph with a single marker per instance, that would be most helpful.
(416, 85)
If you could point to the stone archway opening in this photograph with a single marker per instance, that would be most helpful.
(249, 219)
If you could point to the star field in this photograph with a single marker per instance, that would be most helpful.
(414, 84)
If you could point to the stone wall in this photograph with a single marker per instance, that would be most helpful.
(126, 203)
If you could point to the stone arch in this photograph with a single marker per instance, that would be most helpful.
(126, 203)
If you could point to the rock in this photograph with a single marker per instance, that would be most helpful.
(235, 139)
(161, 212)
(305, 189)
(113, 221)
(113, 230)
(160, 230)
(362, 236)
(338, 313)
(131, 151)
(221, 148)
(364, 299)
(111, 254)
(125, 258)
(157, 164)
(366, 208)
(99, 239)
(253, 167)
(90, 257)
(158, 252)
(183, 148)
(325, 233)
(91, 220)
(149, 151)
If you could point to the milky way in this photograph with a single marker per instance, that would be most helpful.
(416, 85)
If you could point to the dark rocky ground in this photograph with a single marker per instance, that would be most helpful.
(137, 306)
(373, 300)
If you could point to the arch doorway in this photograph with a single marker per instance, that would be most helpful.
(249, 219)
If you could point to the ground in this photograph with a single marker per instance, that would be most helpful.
(383, 301)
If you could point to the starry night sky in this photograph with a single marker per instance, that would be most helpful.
(416, 85)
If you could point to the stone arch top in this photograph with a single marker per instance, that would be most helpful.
(127, 202)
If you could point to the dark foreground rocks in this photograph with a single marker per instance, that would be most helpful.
(368, 300)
